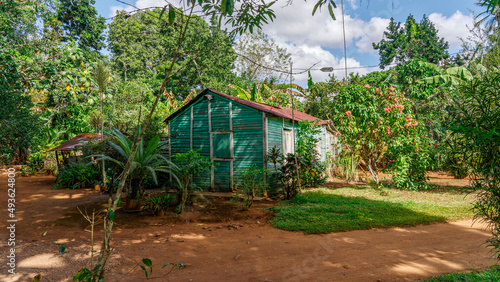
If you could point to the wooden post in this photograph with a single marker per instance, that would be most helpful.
(231, 146)
(57, 159)
(191, 131)
(212, 172)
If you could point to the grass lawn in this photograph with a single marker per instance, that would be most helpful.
(492, 274)
(362, 207)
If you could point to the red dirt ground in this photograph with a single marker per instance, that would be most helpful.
(223, 243)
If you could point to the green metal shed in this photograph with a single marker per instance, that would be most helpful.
(236, 134)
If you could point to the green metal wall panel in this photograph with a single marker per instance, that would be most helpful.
(180, 131)
(220, 113)
(201, 137)
(247, 137)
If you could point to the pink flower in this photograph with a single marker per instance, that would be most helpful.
(367, 86)
(417, 149)
(349, 127)
(392, 89)
(388, 110)
(348, 113)
(415, 124)
(377, 90)
(389, 98)
(373, 131)
(408, 116)
(402, 127)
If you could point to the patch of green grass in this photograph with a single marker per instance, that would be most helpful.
(491, 274)
(354, 208)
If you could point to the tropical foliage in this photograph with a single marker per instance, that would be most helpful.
(411, 40)
(147, 161)
(429, 112)
(477, 131)
(188, 166)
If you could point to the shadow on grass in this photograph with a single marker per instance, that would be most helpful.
(319, 212)
(449, 189)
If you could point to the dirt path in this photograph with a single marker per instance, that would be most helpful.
(242, 248)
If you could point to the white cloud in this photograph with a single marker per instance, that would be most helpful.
(295, 24)
(305, 56)
(374, 32)
(354, 6)
(452, 28)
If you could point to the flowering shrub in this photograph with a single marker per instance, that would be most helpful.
(412, 158)
(372, 122)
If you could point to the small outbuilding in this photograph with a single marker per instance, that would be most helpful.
(74, 145)
(236, 134)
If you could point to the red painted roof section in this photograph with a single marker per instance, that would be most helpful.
(78, 140)
(273, 110)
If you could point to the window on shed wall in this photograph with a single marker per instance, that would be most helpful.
(222, 145)
(287, 142)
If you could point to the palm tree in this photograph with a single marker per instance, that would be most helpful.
(147, 161)
(490, 17)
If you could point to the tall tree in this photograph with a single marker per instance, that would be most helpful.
(19, 124)
(411, 41)
(261, 58)
(81, 23)
(142, 46)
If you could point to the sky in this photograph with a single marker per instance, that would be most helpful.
(318, 39)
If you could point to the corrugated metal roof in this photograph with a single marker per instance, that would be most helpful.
(276, 111)
(78, 140)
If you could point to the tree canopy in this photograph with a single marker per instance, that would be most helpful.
(142, 44)
(80, 22)
(260, 56)
(411, 40)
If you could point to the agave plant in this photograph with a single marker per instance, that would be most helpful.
(147, 161)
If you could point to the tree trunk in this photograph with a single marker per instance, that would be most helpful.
(372, 167)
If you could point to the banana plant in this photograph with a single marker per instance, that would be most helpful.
(174, 103)
(273, 94)
(449, 76)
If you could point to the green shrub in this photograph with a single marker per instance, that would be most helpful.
(410, 166)
(477, 133)
(74, 176)
(250, 183)
(35, 161)
(156, 203)
(311, 169)
(187, 167)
